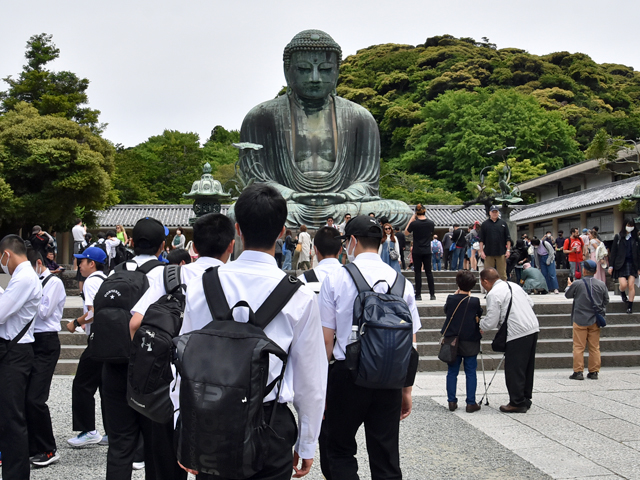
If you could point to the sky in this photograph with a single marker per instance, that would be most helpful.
(192, 65)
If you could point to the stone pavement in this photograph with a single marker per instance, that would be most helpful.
(575, 429)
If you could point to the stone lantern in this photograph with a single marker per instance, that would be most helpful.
(207, 193)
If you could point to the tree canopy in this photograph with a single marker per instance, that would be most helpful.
(51, 93)
(49, 167)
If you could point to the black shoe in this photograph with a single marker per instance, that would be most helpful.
(623, 295)
(418, 297)
(629, 307)
(433, 297)
(576, 376)
(512, 409)
(45, 459)
(592, 375)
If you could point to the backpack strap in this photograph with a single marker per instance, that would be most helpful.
(46, 280)
(150, 265)
(398, 286)
(358, 279)
(311, 276)
(216, 301)
(277, 300)
(171, 277)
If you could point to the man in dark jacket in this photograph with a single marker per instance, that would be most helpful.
(446, 245)
(402, 245)
(585, 329)
(458, 237)
(561, 258)
(495, 243)
(624, 262)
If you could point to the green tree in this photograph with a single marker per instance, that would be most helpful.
(50, 166)
(413, 188)
(159, 170)
(459, 128)
(51, 93)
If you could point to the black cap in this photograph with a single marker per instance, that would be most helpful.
(362, 226)
(493, 207)
(148, 233)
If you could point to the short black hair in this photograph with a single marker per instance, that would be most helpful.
(329, 218)
(327, 241)
(384, 220)
(144, 250)
(596, 228)
(455, 225)
(560, 232)
(535, 242)
(101, 234)
(260, 212)
(78, 220)
(13, 243)
(212, 234)
(574, 229)
(177, 255)
(111, 233)
(369, 242)
(33, 256)
(465, 280)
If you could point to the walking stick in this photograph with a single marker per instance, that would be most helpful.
(484, 377)
(491, 381)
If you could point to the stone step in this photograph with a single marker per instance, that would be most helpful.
(549, 345)
(67, 338)
(426, 309)
(546, 320)
(66, 367)
(71, 352)
(546, 360)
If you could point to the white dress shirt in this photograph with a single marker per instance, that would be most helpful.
(51, 304)
(78, 233)
(322, 270)
(111, 244)
(89, 289)
(19, 303)
(338, 293)
(522, 320)
(187, 273)
(296, 329)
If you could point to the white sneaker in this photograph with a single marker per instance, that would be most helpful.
(135, 466)
(85, 438)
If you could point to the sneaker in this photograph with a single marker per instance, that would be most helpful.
(85, 438)
(44, 459)
(433, 297)
(556, 292)
(576, 376)
(138, 465)
(105, 441)
(592, 375)
(418, 298)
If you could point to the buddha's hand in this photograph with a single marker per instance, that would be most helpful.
(318, 199)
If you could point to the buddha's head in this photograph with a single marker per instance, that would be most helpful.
(311, 62)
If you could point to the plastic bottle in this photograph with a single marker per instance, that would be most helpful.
(354, 335)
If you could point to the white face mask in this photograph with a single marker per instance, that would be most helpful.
(5, 267)
(351, 252)
(629, 229)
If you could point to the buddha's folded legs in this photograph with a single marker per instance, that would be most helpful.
(397, 212)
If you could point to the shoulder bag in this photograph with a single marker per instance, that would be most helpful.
(393, 255)
(600, 320)
(17, 338)
(499, 343)
(449, 345)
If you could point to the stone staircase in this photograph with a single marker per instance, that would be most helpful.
(619, 344)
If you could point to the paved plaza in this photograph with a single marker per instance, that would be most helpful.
(575, 429)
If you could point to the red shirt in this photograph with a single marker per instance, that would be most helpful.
(571, 243)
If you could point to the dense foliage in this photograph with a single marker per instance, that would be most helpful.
(443, 105)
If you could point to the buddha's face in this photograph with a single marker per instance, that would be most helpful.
(312, 75)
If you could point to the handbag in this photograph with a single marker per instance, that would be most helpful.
(299, 248)
(449, 345)
(600, 320)
(393, 255)
(499, 343)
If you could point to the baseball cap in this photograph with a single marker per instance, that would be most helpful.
(494, 208)
(92, 253)
(590, 265)
(148, 233)
(585, 230)
(362, 226)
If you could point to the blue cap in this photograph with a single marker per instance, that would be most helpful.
(590, 265)
(93, 253)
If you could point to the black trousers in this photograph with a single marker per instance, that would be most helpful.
(561, 259)
(519, 366)
(348, 407)
(126, 426)
(446, 259)
(87, 381)
(423, 259)
(324, 454)
(14, 444)
(404, 267)
(279, 464)
(46, 351)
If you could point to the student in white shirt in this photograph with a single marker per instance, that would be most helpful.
(349, 405)
(88, 378)
(46, 351)
(522, 336)
(18, 307)
(327, 245)
(111, 242)
(260, 214)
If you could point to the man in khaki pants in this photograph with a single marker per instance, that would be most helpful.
(585, 329)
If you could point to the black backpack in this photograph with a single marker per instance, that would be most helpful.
(223, 370)
(150, 376)
(381, 356)
(110, 336)
(102, 246)
(122, 255)
(310, 276)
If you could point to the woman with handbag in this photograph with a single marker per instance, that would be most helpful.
(461, 336)
(389, 249)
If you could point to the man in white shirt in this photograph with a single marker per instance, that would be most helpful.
(347, 217)
(522, 336)
(213, 240)
(18, 307)
(88, 378)
(349, 405)
(78, 232)
(327, 245)
(46, 351)
(260, 214)
(111, 242)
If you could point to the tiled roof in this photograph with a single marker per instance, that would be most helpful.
(171, 216)
(444, 215)
(610, 193)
